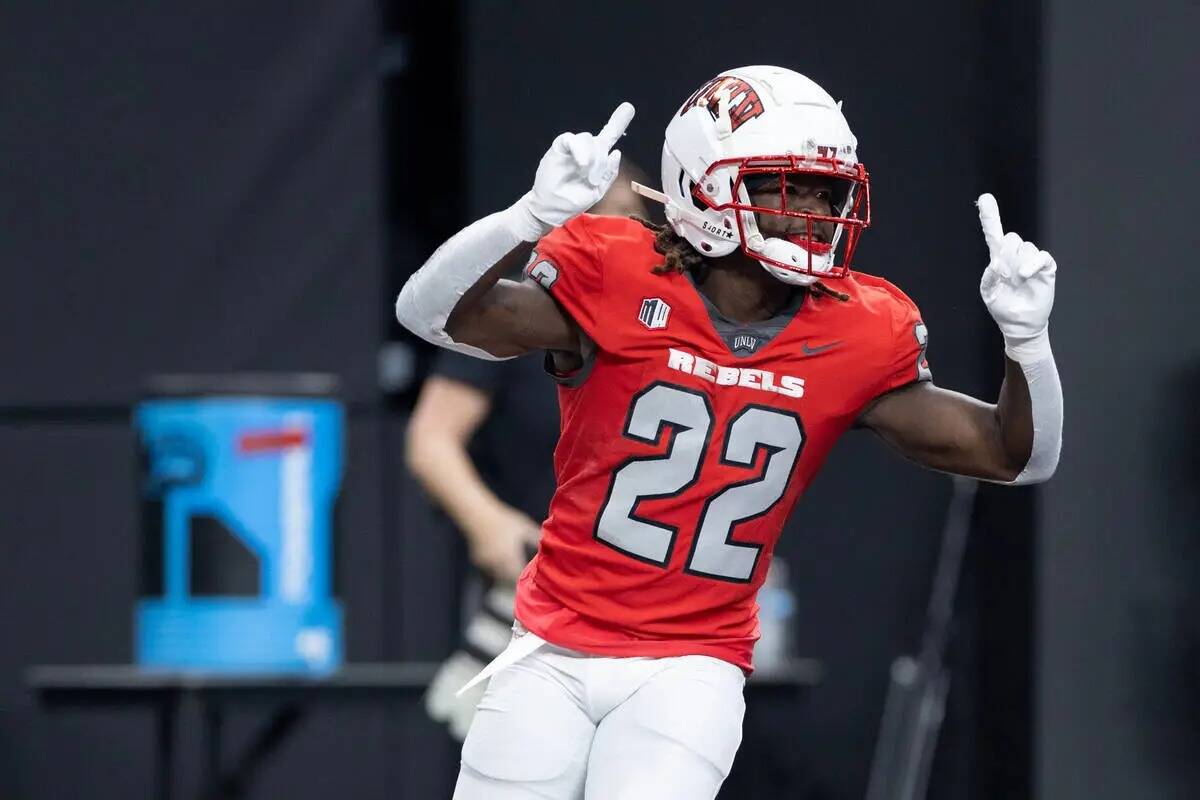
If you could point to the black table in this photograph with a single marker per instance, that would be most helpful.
(124, 686)
(287, 697)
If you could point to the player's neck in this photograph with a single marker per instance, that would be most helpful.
(742, 290)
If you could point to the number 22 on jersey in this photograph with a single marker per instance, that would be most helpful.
(689, 417)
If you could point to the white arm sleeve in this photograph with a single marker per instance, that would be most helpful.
(431, 293)
(1046, 398)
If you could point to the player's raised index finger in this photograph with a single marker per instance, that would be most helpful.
(615, 127)
(989, 220)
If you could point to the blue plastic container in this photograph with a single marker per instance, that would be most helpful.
(240, 479)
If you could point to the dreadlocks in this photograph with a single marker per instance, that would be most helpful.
(677, 252)
(679, 256)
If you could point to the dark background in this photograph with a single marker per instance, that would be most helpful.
(211, 187)
(1119, 548)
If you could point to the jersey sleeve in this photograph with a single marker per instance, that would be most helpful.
(567, 263)
(905, 359)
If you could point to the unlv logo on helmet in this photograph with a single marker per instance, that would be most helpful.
(744, 102)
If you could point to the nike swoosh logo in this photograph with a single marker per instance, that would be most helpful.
(812, 351)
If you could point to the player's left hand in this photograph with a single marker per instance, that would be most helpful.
(1018, 284)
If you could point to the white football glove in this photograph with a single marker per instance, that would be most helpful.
(1017, 287)
(574, 174)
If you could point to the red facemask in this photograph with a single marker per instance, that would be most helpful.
(854, 204)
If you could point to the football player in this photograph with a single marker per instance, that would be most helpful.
(706, 368)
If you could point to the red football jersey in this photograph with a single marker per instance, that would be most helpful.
(686, 441)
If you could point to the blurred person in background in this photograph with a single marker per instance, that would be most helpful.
(481, 441)
(708, 366)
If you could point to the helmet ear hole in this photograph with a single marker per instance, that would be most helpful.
(685, 188)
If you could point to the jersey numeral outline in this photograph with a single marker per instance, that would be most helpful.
(922, 336)
(687, 415)
(688, 418)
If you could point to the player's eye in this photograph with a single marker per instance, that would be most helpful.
(758, 185)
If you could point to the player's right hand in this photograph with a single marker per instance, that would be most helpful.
(499, 542)
(577, 170)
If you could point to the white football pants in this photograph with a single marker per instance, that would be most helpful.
(563, 725)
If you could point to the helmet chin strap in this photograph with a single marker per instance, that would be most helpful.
(648, 193)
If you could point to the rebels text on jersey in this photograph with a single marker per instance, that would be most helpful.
(687, 440)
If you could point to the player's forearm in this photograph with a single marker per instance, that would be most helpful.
(445, 470)
(1030, 411)
(462, 271)
(486, 316)
(1014, 421)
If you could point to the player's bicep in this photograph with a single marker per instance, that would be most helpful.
(515, 317)
(940, 429)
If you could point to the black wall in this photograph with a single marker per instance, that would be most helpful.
(1119, 639)
(186, 188)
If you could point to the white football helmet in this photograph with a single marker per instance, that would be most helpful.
(754, 121)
